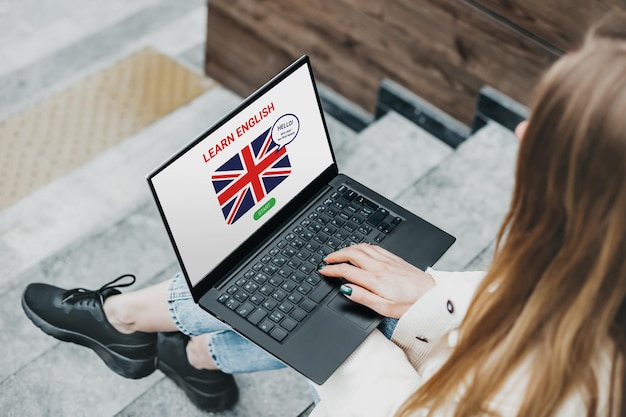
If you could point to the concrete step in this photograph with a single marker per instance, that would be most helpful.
(107, 189)
(100, 221)
(390, 155)
(100, 193)
(468, 194)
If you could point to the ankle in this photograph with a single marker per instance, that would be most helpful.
(117, 315)
(198, 353)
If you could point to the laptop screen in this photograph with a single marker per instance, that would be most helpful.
(226, 185)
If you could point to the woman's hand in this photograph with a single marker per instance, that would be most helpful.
(378, 279)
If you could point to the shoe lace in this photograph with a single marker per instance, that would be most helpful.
(77, 294)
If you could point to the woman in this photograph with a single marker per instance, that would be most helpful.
(545, 334)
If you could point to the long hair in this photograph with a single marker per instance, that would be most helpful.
(559, 270)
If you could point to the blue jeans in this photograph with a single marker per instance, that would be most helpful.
(231, 352)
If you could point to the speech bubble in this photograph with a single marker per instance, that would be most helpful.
(285, 129)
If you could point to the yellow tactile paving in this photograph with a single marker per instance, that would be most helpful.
(65, 130)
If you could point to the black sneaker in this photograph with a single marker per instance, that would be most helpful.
(77, 316)
(208, 390)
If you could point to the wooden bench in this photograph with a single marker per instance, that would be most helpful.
(444, 51)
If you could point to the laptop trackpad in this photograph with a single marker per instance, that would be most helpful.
(360, 315)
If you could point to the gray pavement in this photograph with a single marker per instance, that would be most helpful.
(99, 221)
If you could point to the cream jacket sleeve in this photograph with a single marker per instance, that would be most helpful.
(377, 378)
(435, 315)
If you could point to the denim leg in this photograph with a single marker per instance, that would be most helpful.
(387, 326)
(231, 352)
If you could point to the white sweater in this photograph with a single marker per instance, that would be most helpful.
(381, 374)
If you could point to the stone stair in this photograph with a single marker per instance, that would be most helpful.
(100, 221)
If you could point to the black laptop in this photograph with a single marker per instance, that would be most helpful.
(254, 204)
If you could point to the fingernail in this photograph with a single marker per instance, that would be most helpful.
(344, 289)
(320, 267)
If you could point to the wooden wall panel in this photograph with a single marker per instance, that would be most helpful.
(443, 50)
(560, 23)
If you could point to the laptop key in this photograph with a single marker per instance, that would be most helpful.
(276, 316)
(256, 299)
(269, 269)
(241, 295)
(365, 229)
(285, 272)
(308, 305)
(232, 304)
(276, 281)
(288, 324)
(260, 278)
(266, 326)
(350, 195)
(315, 259)
(270, 304)
(366, 202)
(288, 286)
(313, 279)
(307, 268)
(297, 243)
(294, 263)
(279, 295)
(303, 254)
(334, 242)
(342, 234)
(322, 289)
(304, 289)
(396, 221)
(298, 277)
(324, 250)
(295, 297)
(278, 334)
(245, 309)
(365, 212)
(258, 315)
(279, 260)
(285, 307)
(298, 314)
(378, 216)
(266, 289)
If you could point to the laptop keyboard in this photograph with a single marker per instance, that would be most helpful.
(282, 286)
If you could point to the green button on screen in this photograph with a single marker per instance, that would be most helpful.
(264, 208)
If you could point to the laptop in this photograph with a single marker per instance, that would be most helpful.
(253, 205)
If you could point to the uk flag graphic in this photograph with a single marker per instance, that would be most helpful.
(246, 178)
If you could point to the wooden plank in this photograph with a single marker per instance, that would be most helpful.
(559, 24)
(443, 50)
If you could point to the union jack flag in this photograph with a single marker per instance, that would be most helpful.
(249, 176)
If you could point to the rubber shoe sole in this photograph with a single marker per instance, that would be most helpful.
(126, 367)
(215, 401)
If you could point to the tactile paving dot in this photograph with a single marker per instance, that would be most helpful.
(63, 131)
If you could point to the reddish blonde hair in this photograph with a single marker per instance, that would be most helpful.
(560, 263)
